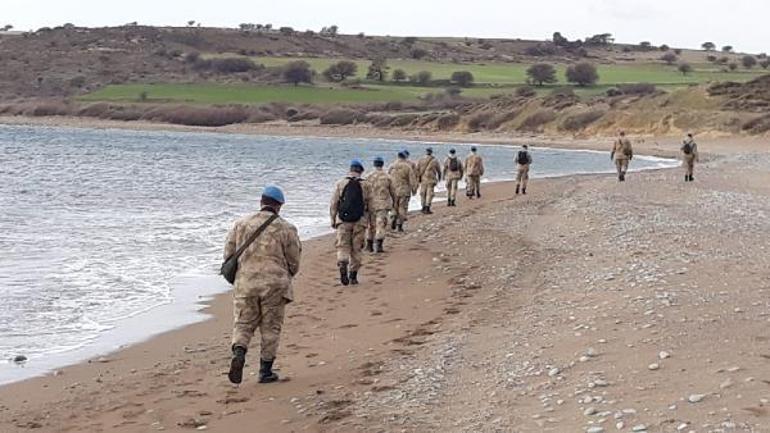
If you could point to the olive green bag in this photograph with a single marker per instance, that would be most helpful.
(230, 266)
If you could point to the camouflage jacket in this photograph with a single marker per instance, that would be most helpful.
(622, 149)
(383, 194)
(271, 261)
(337, 195)
(428, 170)
(403, 177)
(474, 165)
(456, 174)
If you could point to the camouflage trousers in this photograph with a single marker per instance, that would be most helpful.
(427, 190)
(378, 225)
(689, 164)
(522, 175)
(350, 244)
(451, 188)
(473, 185)
(401, 209)
(263, 310)
(621, 165)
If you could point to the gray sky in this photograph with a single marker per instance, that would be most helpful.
(681, 23)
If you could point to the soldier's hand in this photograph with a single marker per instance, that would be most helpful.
(334, 226)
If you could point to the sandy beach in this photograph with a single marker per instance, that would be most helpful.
(586, 304)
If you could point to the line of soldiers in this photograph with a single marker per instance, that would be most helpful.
(623, 152)
(268, 248)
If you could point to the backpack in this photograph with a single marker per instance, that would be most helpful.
(454, 164)
(626, 145)
(351, 205)
(522, 158)
(687, 148)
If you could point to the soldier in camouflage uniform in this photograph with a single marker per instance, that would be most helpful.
(262, 284)
(350, 233)
(622, 153)
(429, 174)
(689, 157)
(382, 199)
(405, 184)
(453, 172)
(474, 169)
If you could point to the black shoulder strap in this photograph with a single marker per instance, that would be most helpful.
(254, 236)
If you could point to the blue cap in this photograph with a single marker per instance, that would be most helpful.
(429, 150)
(357, 163)
(405, 152)
(452, 151)
(378, 160)
(274, 193)
(473, 148)
(402, 154)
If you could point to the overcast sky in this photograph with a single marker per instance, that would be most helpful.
(680, 23)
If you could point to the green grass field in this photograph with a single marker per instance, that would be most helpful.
(491, 79)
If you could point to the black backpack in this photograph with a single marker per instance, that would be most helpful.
(522, 158)
(454, 164)
(687, 148)
(351, 207)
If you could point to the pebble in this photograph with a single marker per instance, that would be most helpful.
(696, 398)
(554, 372)
(595, 429)
(664, 355)
(18, 359)
(654, 366)
(589, 411)
(639, 428)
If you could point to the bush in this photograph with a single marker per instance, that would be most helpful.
(340, 71)
(453, 92)
(297, 72)
(541, 73)
(582, 74)
(535, 121)
(478, 121)
(399, 75)
(198, 116)
(637, 89)
(192, 57)
(462, 78)
(580, 121)
(764, 63)
(669, 58)
(749, 61)
(733, 66)
(340, 117)
(228, 65)
(685, 68)
(418, 53)
(525, 92)
(422, 78)
(541, 50)
(447, 121)
(49, 109)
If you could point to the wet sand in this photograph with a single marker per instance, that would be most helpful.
(527, 314)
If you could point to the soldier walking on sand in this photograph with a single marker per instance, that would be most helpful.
(429, 174)
(348, 210)
(474, 169)
(405, 184)
(453, 172)
(383, 197)
(523, 161)
(622, 153)
(262, 283)
(689, 157)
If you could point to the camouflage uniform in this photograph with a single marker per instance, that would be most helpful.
(522, 173)
(405, 184)
(429, 173)
(452, 177)
(383, 197)
(350, 236)
(689, 159)
(622, 153)
(263, 282)
(474, 169)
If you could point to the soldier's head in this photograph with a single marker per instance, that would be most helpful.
(429, 151)
(525, 147)
(452, 152)
(356, 166)
(622, 133)
(473, 149)
(401, 155)
(689, 134)
(272, 197)
(378, 162)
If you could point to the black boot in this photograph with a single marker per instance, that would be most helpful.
(524, 191)
(449, 203)
(370, 245)
(428, 211)
(266, 374)
(622, 177)
(478, 194)
(344, 273)
(236, 365)
(691, 178)
(517, 189)
(401, 228)
(379, 248)
(393, 224)
(686, 177)
(353, 277)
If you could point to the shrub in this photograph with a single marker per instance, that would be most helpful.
(685, 68)
(447, 121)
(497, 120)
(535, 121)
(478, 121)
(733, 66)
(422, 78)
(462, 78)
(669, 58)
(228, 65)
(399, 75)
(297, 72)
(340, 117)
(764, 63)
(192, 57)
(49, 109)
(749, 61)
(453, 91)
(580, 121)
(418, 53)
(637, 89)
(340, 71)
(198, 116)
(525, 92)
(541, 50)
(582, 74)
(541, 73)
